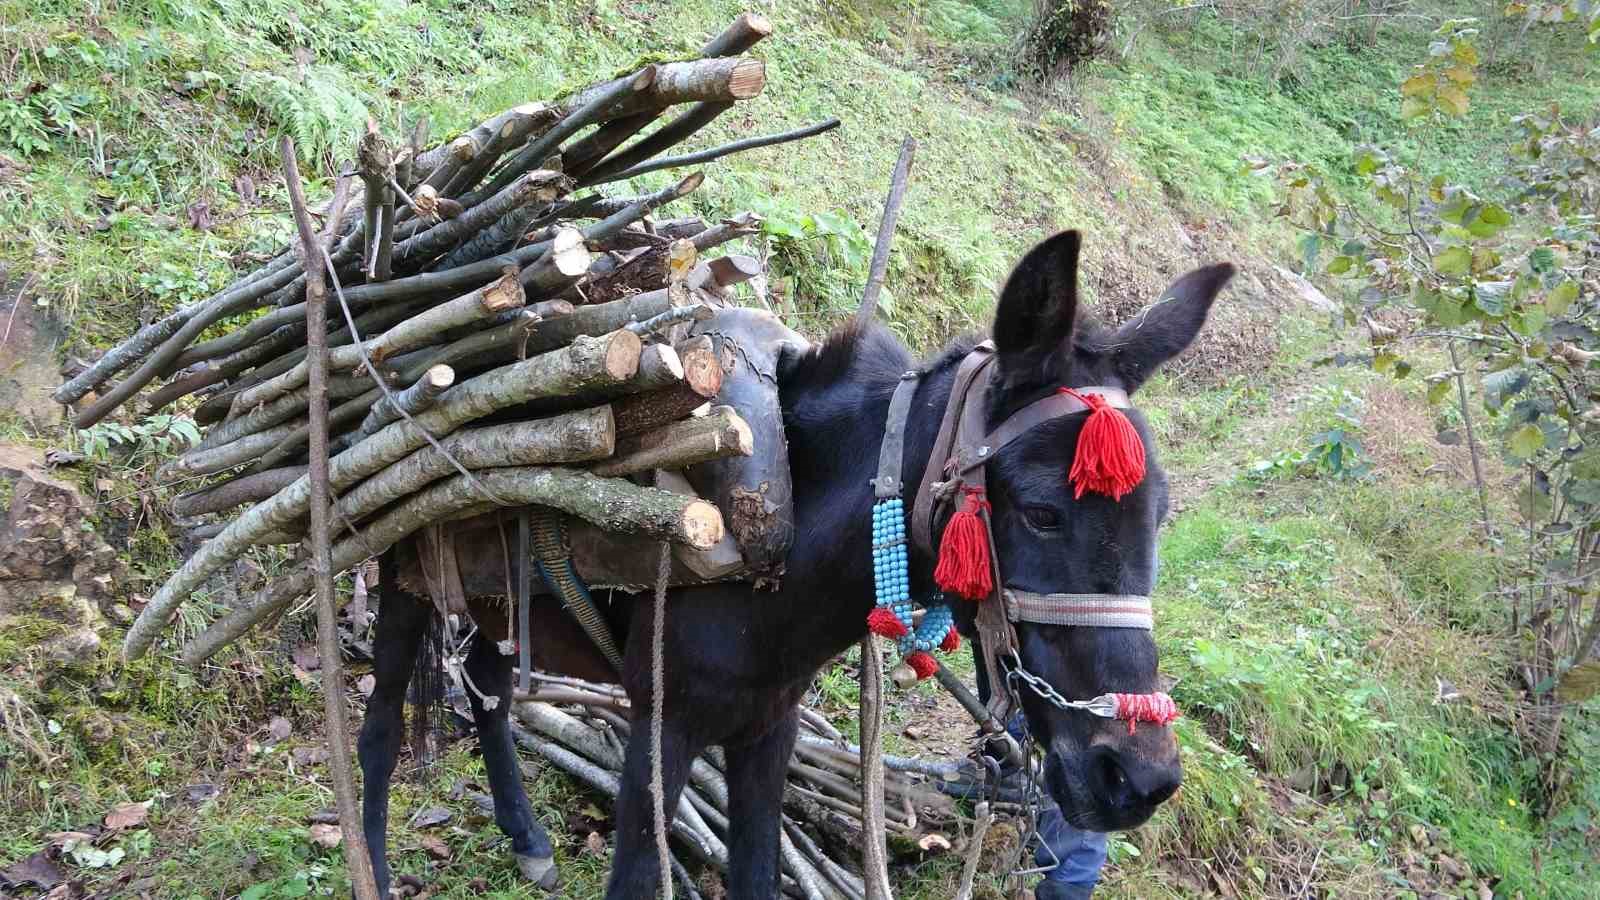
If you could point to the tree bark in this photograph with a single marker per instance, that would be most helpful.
(414, 399)
(588, 364)
(571, 438)
(689, 159)
(235, 492)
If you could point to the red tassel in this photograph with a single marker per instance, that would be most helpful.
(951, 642)
(1110, 457)
(922, 663)
(882, 620)
(964, 566)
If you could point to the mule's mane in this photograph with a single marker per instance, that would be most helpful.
(870, 351)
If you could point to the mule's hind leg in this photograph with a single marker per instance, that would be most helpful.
(490, 671)
(402, 621)
(635, 868)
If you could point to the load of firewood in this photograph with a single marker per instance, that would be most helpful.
(500, 333)
(583, 729)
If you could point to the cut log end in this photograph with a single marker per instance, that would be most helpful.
(439, 377)
(702, 525)
(464, 148)
(701, 371)
(622, 355)
(748, 78)
(503, 294)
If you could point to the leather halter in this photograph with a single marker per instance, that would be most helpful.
(958, 461)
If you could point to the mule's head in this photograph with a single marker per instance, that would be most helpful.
(1050, 541)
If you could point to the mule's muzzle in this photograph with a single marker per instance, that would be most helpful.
(1112, 787)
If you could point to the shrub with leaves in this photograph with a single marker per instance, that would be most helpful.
(1509, 283)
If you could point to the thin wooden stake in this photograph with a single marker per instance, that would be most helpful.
(891, 215)
(875, 854)
(356, 857)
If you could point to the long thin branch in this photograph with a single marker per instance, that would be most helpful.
(875, 855)
(689, 159)
(356, 858)
(891, 216)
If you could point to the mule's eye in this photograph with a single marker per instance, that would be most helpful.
(1042, 517)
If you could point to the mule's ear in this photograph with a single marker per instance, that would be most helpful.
(1039, 304)
(1168, 327)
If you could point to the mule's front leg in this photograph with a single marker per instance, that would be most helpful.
(635, 868)
(756, 773)
(402, 621)
(490, 671)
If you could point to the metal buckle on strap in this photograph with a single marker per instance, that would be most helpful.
(1088, 610)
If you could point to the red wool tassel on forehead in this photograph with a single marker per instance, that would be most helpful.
(1110, 457)
(964, 567)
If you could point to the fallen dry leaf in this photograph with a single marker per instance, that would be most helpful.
(309, 756)
(933, 841)
(365, 684)
(128, 815)
(594, 844)
(434, 847)
(38, 870)
(327, 836)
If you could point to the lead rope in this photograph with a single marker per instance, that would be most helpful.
(658, 667)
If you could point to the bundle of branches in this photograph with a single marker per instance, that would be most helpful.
(582, 729)
(498, 336)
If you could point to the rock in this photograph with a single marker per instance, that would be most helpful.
(57, 575)
(28, 367)
(53, 565)
(1308, 292)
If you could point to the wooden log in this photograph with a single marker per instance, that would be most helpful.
(681, 444)
(235, 492)
(702, 379)
(873, 819)
(591, 106)
(741, 225)
(598, 319)
(571, 438)
(577, 158)
(585, 365)
(492, 299)
(659, 367)
(746, 31)
(519, 122)
(226, 456)
(610, 503)
(536, 188)
(414, 399)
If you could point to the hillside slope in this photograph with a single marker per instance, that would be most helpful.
(1311, 619)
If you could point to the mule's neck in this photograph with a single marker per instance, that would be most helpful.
(835, 428)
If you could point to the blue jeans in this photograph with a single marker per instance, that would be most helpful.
(1079, 855)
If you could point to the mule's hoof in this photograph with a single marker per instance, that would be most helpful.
(541, 870)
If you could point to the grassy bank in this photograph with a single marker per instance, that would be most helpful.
(1351, 717)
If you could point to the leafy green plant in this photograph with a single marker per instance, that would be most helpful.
(825, 253)
(23, 128)
(1507, 283)
(156, 438)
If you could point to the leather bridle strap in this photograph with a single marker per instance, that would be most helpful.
(1088, 610)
